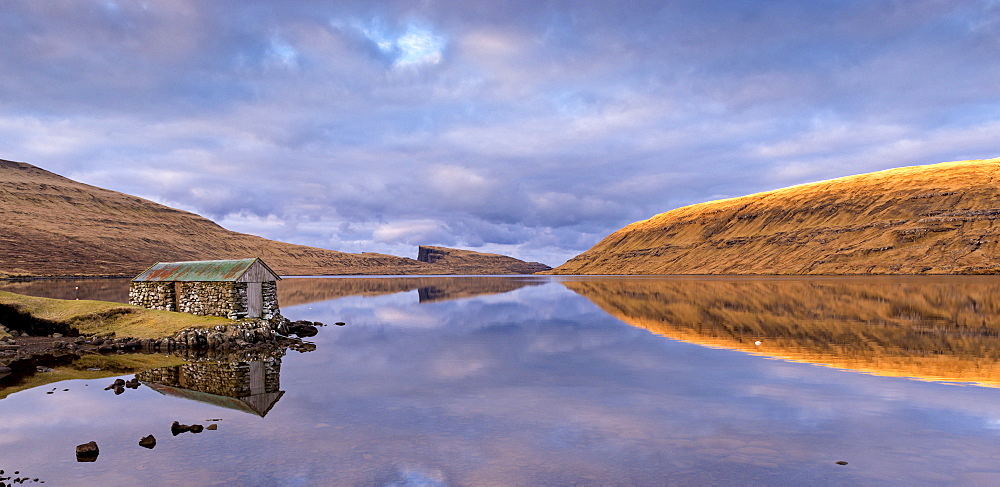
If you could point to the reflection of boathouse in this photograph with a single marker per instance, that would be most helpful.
(251, 387)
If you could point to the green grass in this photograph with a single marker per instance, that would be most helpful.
(101, 317)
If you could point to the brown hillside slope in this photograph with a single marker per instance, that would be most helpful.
(940, 218)
(54, 226)
(941, 328)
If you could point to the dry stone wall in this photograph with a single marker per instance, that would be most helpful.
(213, 299)
(270, 310)
(153, 295)
(226, 299)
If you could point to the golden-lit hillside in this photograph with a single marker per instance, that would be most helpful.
(54, 226)
(932, 328)
(935, 219)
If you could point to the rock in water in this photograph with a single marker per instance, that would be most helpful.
(177, 428)
(302, 328)
(148, 442)
(87, 452)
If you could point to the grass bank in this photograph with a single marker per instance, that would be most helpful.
(102, 317)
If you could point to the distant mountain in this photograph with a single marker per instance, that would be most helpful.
(934, 219)
(464, 261)
(54, 226)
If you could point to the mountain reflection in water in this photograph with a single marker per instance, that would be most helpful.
(542, 386)
(293, 291)
(296, 291)
(933, 328)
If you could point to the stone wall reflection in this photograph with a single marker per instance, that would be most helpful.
(249, 386)
(945, 329)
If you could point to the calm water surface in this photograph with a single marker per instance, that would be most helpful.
(546, 381)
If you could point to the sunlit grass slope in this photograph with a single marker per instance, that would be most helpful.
(934, 219)
(99, 317)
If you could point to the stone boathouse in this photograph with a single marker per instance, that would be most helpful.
(234, 289)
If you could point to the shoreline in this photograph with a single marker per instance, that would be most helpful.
(34, 329)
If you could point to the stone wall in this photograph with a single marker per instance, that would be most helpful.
(152, 295)
(226, 299)
(269, 290)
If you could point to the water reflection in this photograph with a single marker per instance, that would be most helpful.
(542, 386)
(296, 291)
(113, 290)
(945, 329)
(251, 387)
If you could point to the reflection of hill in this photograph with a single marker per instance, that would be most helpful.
(294, 291)
(71, 367)
(113, 290)
(928, 328)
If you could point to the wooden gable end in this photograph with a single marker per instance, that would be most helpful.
(258, 272)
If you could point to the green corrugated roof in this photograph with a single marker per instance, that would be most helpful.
(200, 270)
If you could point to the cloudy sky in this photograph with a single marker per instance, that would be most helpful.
(531, 128)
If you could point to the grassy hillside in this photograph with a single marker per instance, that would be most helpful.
(937, 219)
(98, 317)
(54, 226)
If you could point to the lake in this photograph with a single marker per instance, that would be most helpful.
(548, 381)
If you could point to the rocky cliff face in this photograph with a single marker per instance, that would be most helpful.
(468, 262)
(54, 226)
(935, 219)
